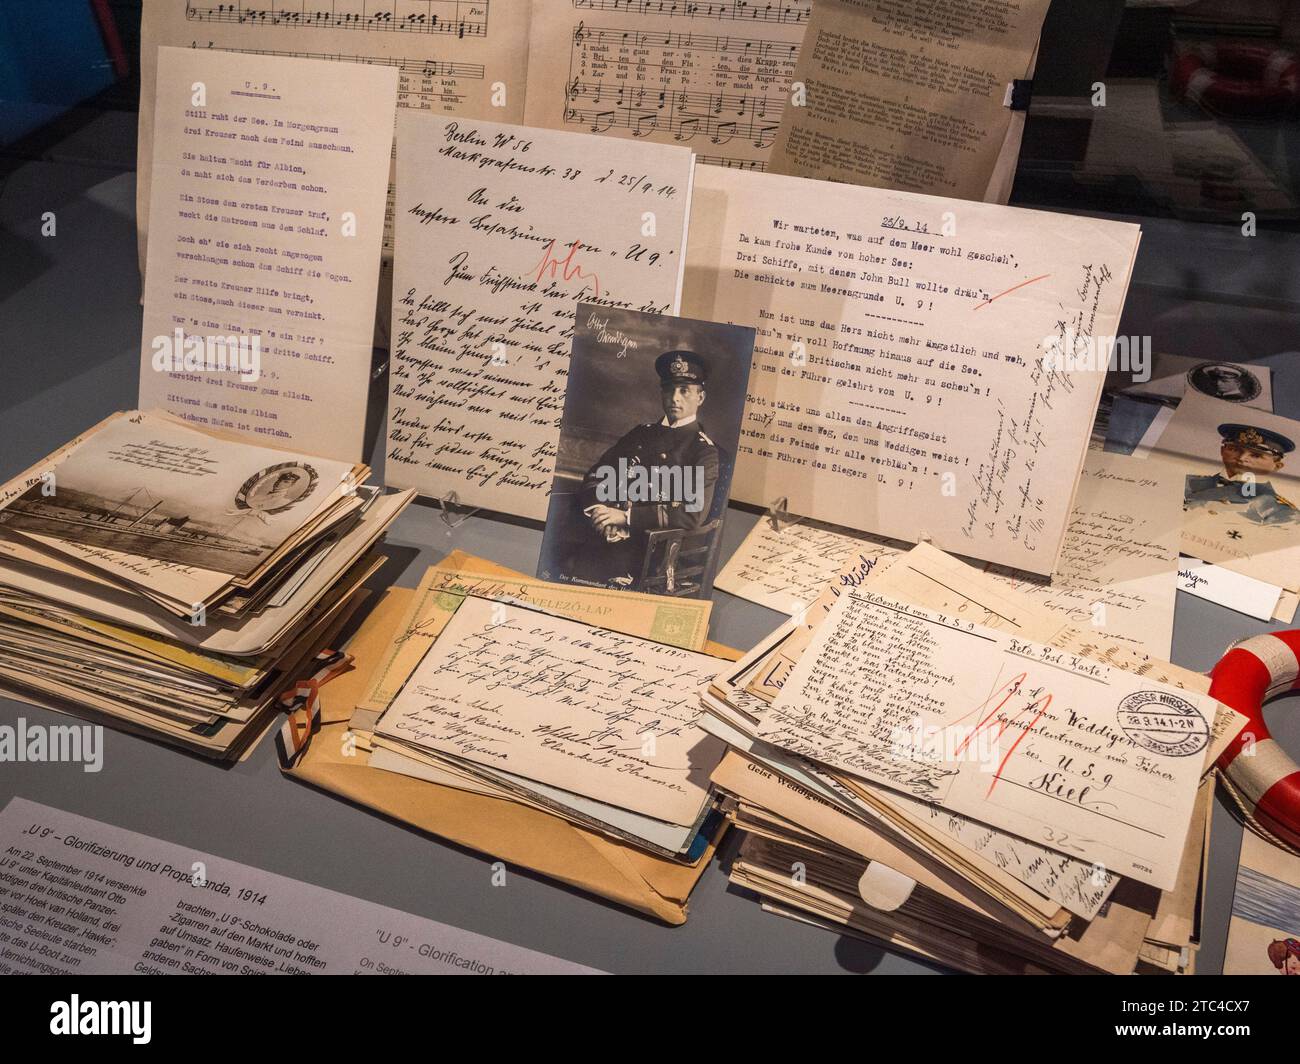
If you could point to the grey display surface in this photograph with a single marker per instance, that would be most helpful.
(69, 351)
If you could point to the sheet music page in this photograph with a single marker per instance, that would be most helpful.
(268, 186)
(449, 54)
(714, 76)
(925, 366)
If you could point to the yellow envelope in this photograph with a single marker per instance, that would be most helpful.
(502, 830)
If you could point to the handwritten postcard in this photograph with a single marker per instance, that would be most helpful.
(1058, 748)
(594, 712)
(679, 623)
(1116, 574)
(787, 566)
(503, 230)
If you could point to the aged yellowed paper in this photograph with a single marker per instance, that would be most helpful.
(715, 77)
(598, 713)
(1049, 745)
(1117, 567)
(910, 96)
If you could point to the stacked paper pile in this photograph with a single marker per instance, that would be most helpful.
(928, 760)
(172, 581)
(576, 703)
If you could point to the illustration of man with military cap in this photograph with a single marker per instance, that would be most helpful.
(1249, 453)
(674, 451)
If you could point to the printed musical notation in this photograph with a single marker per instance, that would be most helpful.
(721, 117)
(414, 68)
(795, 13)
(732, 164)
(458, 18)
(777, 51)
(668, 71)
(421, 82)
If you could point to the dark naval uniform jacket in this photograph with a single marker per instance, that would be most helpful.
(1263, 506)
(654, 445)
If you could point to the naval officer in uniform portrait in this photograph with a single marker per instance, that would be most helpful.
(1222, 380)
(1249, 455)
(614, 549)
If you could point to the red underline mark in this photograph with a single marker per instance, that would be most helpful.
(1023, 284)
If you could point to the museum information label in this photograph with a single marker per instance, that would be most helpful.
(78, 896)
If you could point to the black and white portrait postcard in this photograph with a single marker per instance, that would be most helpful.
(648, 441)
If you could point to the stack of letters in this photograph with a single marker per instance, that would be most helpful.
(173, 580)
(927, 759)
(554, 726)
(595, 721)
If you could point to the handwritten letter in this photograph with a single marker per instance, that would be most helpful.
(713, 76)
(1116, 574)
(786, 569)
(503, 231)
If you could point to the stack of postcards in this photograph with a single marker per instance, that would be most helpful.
(929, 760)
(173, 581)
(509, 689)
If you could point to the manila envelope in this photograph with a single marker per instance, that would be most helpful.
(505, 831)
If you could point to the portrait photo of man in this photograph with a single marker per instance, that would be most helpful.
(1222, 380)
(644, 511)
(674, 450)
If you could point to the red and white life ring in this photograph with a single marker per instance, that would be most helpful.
(1259, 773)
(1244, 80)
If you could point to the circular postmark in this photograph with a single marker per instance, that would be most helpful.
(277, 488)
(1223, 380)
(1163, 723)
